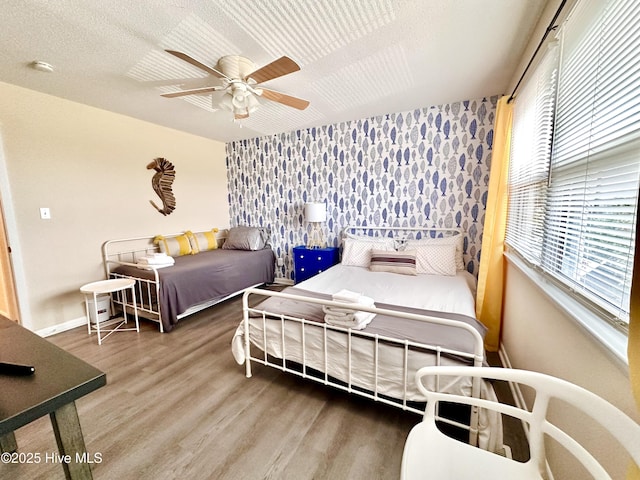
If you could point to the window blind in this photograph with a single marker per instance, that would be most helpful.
(578, 224)
(593, 187)
(529, 158)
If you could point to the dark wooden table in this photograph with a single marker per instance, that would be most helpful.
(59, 380)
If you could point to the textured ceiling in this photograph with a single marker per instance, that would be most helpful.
(358, 58)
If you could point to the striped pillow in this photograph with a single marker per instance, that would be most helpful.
(174, 246)
(395, 262)
(202, 241)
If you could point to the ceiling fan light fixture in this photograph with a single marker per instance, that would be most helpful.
(252, 103)
(239, 77)
(226, 102)
(239, 94)
(239, 99)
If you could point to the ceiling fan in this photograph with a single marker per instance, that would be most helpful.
(240, 82)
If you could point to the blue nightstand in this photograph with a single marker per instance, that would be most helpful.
(308, 262)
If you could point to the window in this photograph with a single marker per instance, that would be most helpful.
(576, 221)
(529, 161)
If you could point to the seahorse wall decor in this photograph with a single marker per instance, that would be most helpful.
(161, 183)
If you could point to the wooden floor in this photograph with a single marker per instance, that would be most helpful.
(177, 406)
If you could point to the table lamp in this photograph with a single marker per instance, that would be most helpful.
(315, 214)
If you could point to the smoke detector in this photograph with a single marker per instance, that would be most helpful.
(42, 66)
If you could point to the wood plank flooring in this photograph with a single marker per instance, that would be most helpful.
(178, 406)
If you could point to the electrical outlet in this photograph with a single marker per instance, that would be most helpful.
(45, 213)
(280, 262)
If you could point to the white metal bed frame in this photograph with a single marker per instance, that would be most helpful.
(127, 251)
(410, 233)
(476, 358)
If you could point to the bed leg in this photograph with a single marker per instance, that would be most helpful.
(245, 322)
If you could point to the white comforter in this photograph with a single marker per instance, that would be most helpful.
(430, 292)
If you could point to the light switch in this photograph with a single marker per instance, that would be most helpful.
(45, 213)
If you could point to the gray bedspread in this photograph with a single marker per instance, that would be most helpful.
(390, 326)
(206, 276)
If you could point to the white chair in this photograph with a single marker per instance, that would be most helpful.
(428, 453)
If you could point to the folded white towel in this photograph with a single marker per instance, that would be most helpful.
(163, 259)
(153, 267)
(345, 295)
(338, 312)
(157, 260)
(349, 316)
(356, 321)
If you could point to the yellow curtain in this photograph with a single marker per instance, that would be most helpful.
(491, 273)
(633, 349)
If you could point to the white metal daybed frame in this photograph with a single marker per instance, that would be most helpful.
(113, 255)
(127, 251)
(249, 313)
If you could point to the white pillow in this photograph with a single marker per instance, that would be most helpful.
(435, 259)
(357, 253)
(451, 240)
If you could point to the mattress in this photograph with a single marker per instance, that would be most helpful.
(207, 276)
(440, 293)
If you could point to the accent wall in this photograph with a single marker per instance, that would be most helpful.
(428, 167)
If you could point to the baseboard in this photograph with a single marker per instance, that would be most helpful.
(518, 398)
(77, 322)
(515, 389)
(62, 327)
(504, 357)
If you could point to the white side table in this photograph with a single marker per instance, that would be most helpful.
(110, 286)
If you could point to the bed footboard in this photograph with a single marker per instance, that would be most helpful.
(305, 347)
(147, 291)
(126, 252)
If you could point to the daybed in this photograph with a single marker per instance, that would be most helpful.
(205, 268)
(422, 319)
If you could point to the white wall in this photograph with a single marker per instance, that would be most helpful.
(538, 335)
(89, 167)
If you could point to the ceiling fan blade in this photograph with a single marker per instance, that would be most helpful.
(284, 99)
(275, 69)
(194, 62)
(193, 91)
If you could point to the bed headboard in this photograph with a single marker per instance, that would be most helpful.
(401, 234)
(129, 250)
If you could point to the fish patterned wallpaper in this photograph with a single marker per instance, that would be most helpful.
(427, 167)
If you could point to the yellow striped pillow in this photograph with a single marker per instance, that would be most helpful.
(174, 246)
(203, 241)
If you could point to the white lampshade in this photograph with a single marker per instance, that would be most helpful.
(315, 212)
(252, 103)
(239, 98)
(226, 102)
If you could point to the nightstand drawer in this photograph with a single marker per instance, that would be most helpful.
(311, 261)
